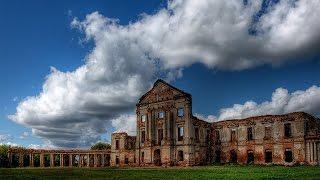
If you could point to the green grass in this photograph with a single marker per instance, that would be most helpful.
(205, 172)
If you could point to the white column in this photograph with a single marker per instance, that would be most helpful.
(70, 160)
(312, 153)
(149, 127)
(315, 152)
(88, 160)
(102, 160)
(308, 152)
(51, 160)
(41, 160)
(61, 160)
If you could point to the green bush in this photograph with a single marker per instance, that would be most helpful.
(101, 146)
(4, 161)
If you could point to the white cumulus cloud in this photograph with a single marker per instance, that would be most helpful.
(281, 102)
(125, 123)
(209, 118)
(75, 108)
(5, 138)
(24, 135)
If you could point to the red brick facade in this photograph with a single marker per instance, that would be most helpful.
(168, 134)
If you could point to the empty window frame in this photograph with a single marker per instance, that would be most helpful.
(250, 157)
(268, 156)
(117, 144)
(233, 156)
(287, 130)
(196, 134)
(267, 132)
(218, 156)
(208, 136)
(250, 133)
(180, 155)
(142, 157)
(180, 112)
(143, 136)
(160, 136)
(161, 114)
(233, 135)
(143, 118)
(126, 160)
(117, 160)
(180, 133)
(288, 156)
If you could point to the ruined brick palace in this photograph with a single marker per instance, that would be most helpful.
(168, 134)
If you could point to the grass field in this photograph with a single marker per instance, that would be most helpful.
(206, 172)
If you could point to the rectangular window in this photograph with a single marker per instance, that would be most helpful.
(196, 133)
(142, 157)
(288, 155)
(208, 136)
(160, 136)
(126, 160)
(268, 156)
(117, 144)
(143, 136)
(250, 134)
(180, 133)
(287, 130)
(250, 157)
(161, 114)
(233, 135)
(143, 118)
(180, 112)
(267, 132)
(180, 155)
(117, 160)
(217, 134)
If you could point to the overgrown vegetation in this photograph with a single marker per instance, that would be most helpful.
(4, 161)
(101, 146)
(4, 155)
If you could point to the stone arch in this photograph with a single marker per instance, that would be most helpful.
(233, 156)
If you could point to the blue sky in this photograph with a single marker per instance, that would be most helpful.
(36, 35)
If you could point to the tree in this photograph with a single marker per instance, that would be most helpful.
(3, 155)
(101, 146)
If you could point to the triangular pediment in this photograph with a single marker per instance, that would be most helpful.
(161, 91)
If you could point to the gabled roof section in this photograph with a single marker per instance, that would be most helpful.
(160, 81)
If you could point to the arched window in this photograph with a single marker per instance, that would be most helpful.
(233, 156)
(250, 157)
